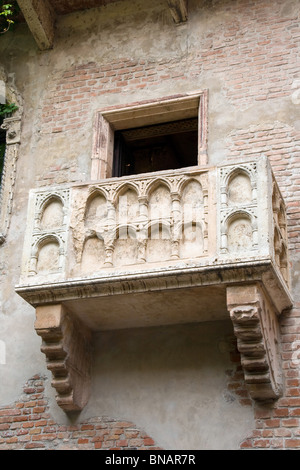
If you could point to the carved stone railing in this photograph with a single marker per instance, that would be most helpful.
(190, 245)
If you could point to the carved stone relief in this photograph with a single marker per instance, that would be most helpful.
(238, 208)
(12, 126)
(141, 221)
(49, 237)
(150, 219)
(280, 232)
(239, 233)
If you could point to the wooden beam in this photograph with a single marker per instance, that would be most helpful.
(179, 10)
(40, 19)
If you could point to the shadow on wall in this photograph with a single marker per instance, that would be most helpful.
(176, 382)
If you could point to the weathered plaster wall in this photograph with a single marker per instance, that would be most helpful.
(173, 382)
(176, 382)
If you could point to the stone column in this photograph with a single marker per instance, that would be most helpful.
(12, 126)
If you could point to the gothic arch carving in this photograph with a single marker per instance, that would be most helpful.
(127, 186)
(155, 184)
(54, 259)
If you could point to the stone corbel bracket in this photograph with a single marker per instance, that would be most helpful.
(67, 346)
(255, 323)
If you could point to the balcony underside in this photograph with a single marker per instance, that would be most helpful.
(251, 296)
(144, 298)
(164, 307)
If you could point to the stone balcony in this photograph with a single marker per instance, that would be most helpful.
(179, 246)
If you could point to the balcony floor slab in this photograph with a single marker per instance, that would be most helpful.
(174, 306)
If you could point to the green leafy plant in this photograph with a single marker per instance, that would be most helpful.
(2, 154)
(7, 108)
(2, 149)
(8, 15)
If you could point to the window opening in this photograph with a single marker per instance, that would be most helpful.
(158, 147)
